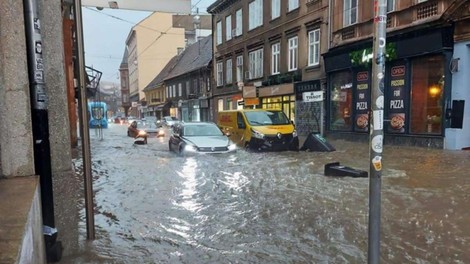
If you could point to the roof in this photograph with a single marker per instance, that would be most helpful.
(194, 57)
(158, 80)
(124, 59)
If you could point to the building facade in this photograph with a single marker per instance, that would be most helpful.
(420, 96)
(267, 54)
(188, 84)
(151, 44)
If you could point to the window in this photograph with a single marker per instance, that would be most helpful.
(427, 87)
(350, 12)
(256, 64)
(239, 22)
(255, 12)
(188, 88)
(228, 71)
(173, 93)
(228, 28)
(168, 92)
(293, 4)
(180, 89)
(219, 33)
(275, 58)
(293, 46)
(275, 9)
(341, 101)
(314, 47)
(240, 68)
(220, 74)
(390, 5)
(220, 104)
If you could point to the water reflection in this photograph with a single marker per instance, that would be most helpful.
(156, 207)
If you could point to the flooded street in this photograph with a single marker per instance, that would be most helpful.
(153, 206)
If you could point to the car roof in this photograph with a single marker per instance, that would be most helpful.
(196, 123)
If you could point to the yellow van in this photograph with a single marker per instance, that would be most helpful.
(259, 129)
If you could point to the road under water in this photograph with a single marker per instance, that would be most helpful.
(153, 206)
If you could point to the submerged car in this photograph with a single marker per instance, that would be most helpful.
(199, 137)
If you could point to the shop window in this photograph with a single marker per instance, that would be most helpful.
(285, 103)
(427, 87)
(341, 101)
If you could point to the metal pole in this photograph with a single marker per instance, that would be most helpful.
(376, 129)
(84, 130)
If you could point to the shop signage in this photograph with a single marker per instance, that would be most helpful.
(274, 90)
(249, 91)
(251, 101)
(316, 96)
(362, 101)
(364, 57)
(397, 113)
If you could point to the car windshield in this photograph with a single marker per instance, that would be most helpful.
(170, 118)
(202, 130)
(262, 118)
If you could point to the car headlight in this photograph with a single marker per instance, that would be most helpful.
(232, 147)
(142, 133)
(190, 148)
(294, 134)
(161, 132)
(257, 134)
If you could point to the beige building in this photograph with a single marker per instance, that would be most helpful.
(150, 46)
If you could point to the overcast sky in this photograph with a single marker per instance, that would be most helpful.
(105, 33)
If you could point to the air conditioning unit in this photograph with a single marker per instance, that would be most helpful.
(247, 75)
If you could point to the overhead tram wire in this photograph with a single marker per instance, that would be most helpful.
(165, 32)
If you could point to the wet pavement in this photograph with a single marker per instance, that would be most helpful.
(153, 206)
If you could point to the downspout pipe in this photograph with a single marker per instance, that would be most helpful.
(40, 124)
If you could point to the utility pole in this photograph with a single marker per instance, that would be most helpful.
(84, 128)
(376, 129)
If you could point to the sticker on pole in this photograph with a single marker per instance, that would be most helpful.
(378, 119)
(377, 144)
(377, 162)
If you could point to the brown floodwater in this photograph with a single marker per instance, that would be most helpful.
(153, 206)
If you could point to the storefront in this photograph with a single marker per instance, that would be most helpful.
(417, 88)
(280, 96)
(308, 107)
(195, 110)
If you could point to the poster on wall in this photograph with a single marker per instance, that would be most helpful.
(397, 93)
(362, 101)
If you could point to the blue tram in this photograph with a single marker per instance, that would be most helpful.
(97, 115)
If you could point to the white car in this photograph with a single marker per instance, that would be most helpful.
(169, 121)
(199, 137)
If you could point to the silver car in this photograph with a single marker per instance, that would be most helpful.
(199, 137)
(169, 121)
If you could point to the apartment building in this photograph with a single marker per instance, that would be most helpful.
(426, 79)
(151, 44)
(267, 54)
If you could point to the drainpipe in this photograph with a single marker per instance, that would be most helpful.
(40, 124)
